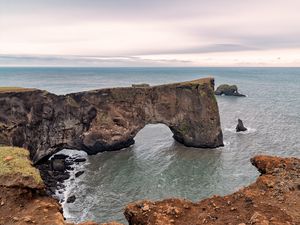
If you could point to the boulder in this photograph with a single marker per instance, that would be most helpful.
(240, 126)
(71, 199)
(58, 164)
(79, 173)
(229, 90)
(80, 160)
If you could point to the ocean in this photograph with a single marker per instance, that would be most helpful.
(156, 166)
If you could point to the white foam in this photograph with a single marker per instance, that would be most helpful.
(71, 182)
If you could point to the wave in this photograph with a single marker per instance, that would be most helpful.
(248, 131)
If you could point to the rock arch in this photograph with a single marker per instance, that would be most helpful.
(108, 119)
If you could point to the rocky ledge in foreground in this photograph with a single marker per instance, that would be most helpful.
(108, 119)
(23, 200)
(274, 199)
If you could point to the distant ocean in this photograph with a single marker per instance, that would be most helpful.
(156, 166)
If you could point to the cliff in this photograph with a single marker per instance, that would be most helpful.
(108, 119)
(274, 199)
(22, 193)
(22, 198)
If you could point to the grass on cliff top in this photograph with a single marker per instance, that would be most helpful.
(16, 160)
(14, 89)
(206, 80)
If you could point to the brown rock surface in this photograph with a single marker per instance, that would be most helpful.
(22, 193)
(274, 199)
(108, 119)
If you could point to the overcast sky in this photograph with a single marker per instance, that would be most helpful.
(150, 33)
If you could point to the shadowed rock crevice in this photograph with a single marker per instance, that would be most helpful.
(108, 119)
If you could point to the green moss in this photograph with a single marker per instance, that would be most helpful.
(71, 101)
(183, 128)
(202, 93)
(16, 161)
(103, 117)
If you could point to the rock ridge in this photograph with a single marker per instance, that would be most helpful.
(108, 119)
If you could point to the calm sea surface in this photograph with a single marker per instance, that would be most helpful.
(156, 166)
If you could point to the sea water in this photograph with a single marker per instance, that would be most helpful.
(156, 166)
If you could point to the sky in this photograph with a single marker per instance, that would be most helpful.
(149, 33)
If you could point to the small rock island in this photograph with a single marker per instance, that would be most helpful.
(240, 126)
(108, 119)
(229, 90)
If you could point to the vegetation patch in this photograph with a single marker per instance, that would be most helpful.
(15, 161)
(14, 89)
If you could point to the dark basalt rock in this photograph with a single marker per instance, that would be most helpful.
(229, 90)
(54, 172)
(240, 126)
(58, 164)
(71, 199)
(79, 173)
(80, 160)
(108, 119)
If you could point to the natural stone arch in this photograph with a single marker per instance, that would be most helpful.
(109, 119)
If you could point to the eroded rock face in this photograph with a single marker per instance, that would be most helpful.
(108, 119)
(274, 199)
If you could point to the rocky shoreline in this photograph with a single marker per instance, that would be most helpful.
(56, 170)
(274, 199)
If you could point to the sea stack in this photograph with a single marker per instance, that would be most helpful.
(240, 126)
(229, 90)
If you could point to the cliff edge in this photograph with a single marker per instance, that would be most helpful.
(108, 119)
(23, 200)
(274, 199)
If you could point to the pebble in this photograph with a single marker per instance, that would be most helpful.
(146, 208)
(8, 158)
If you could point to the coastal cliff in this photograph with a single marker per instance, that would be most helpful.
(108, 119)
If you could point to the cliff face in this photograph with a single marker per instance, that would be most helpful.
(274, 199)
(108, 119)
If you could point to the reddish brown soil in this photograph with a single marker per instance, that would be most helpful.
(27, 206)
(274, 199)
(22, 206)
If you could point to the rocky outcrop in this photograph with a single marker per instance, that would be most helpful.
(274, 199)
(230, 90)
(108, 119)
(22, 193)
(240, 126)
(22, 196)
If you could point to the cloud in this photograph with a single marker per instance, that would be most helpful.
(22, 60)
(140, 28)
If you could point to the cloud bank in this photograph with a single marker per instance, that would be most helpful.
(150, 33)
